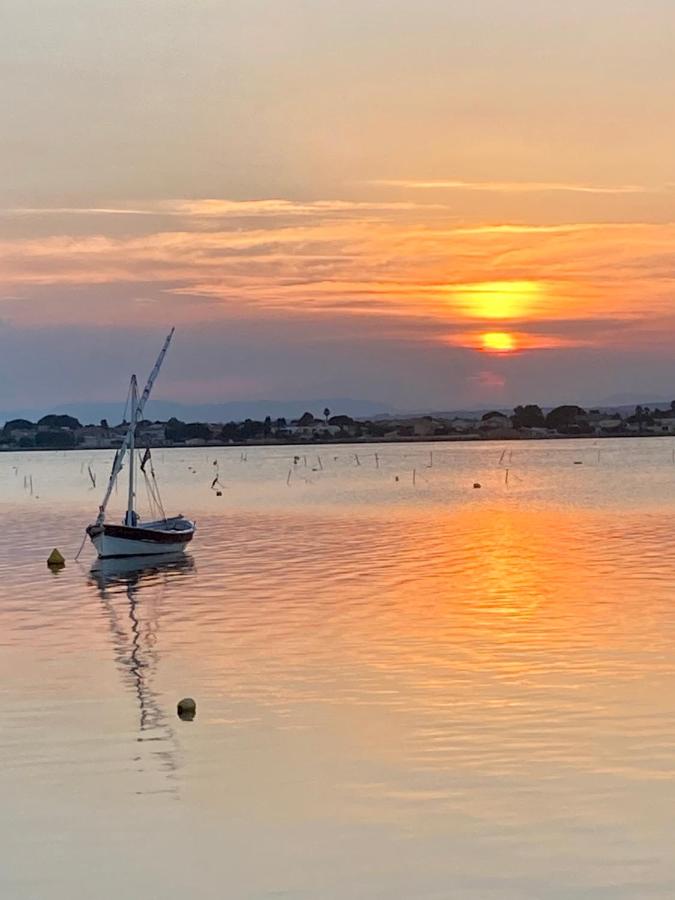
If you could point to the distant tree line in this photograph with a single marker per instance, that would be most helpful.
(54, 431)
(65, 432)
(562, 418)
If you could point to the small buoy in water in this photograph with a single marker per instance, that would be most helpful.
(578, 462)
(219, 493)
(395, 477)
(477, 484)
(187, 709)
(55, 560)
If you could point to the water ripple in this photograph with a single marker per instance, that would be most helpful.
(399, 687)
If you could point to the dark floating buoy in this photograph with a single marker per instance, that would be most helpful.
(219, 493)
(55, 560)
(477, 484)
(187, 709)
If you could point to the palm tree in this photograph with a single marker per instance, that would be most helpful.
(639, 412)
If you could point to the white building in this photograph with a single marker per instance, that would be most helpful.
(664, 426)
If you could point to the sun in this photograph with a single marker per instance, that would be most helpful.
(500, 299)
(498, 342)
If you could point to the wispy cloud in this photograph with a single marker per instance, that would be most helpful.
(223, 209)
(75, 211)
(208, 208)
(512, 187)
(350, 260)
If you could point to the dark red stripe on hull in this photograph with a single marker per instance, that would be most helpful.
(142, 534)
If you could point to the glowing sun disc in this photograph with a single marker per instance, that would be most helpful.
(498, 342)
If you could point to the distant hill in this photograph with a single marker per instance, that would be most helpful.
(625, 401)
(235, 411)
(625, 408)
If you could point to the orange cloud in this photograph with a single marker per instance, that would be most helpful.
(337, 258)
(514, 187)
(213, 208)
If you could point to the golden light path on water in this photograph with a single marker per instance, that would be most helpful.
(404, 689)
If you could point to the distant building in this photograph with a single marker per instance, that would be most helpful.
(345, 424)
(307, 427)
(424, 427)
(93, 437)
(153, 434)
(15, 434)
(608, 426)
(463, 426)
(666, 425)
(496, 420)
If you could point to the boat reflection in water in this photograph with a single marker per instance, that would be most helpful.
(132, 590)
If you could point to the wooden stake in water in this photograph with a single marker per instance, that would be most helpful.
(356, 458)
(290, 472)
(506, 477)
(414, 478)
(431, 459)
(318, 459)
(377, 460)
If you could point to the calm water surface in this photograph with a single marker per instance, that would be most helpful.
(405, 690)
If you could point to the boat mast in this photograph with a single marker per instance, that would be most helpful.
(131, 515)
(119, 456)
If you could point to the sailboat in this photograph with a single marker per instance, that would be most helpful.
(133, 537)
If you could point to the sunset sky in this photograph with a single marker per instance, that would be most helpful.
(428, 204)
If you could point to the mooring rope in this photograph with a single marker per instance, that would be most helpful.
(84, 541)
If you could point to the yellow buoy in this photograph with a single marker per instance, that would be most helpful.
(55, 560)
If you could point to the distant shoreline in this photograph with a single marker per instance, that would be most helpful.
(350, 441)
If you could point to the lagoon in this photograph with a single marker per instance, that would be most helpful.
(406, 687)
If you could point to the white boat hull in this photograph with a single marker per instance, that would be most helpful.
(154, 539)
(112, 546)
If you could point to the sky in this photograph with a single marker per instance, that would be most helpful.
(424, 204)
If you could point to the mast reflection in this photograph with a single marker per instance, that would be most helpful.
(134, 627)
